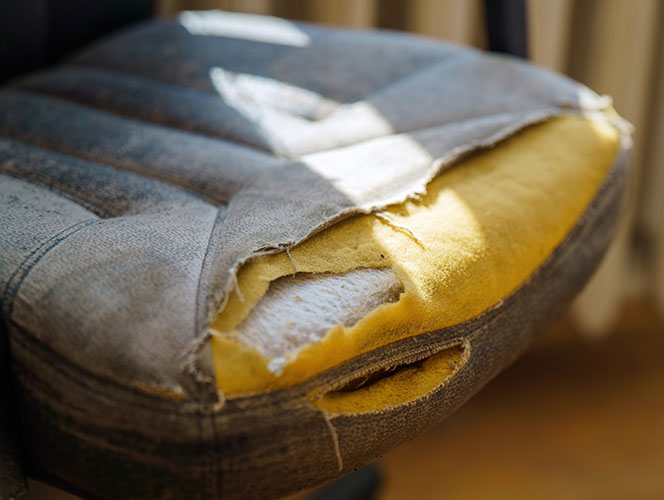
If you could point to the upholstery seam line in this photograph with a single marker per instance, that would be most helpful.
(154, 178)
(127, 116)
(90, 207)
(39, 253)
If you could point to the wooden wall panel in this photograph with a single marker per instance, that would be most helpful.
(549, 27)
(459, 21)
(612, 50)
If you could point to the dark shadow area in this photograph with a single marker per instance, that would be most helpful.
(34, 33)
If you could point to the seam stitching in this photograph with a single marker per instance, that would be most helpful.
(37, 254)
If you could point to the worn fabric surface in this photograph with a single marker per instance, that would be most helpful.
(137, 178)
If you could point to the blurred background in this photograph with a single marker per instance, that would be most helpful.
(581, 414)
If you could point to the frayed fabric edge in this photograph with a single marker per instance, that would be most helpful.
(205, 375)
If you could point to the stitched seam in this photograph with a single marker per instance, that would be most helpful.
(118, 71)
(157, 81)
(104, 214)
(196, 132)
(100, 393)
(169, 185)
(121, 116)
(419, 69)
(82, 156)
(83, 434)
(271, 153)
(415, 73)
(38, 253)
(206, 256)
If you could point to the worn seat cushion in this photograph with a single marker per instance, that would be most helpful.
(455, 251)
(242, 256)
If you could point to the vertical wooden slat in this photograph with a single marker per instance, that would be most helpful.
(392, 14)
(354, 13)
(250, 6)
(201, 4)
(651, 210)
(291, 9)
(167, 8)
(549, 26)
(459, 21)
(616, 57)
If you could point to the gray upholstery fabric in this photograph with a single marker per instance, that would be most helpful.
(138, 177)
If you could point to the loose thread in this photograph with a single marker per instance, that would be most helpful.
(290, 257)
(236, 287)
(335, 438)
(385, 219)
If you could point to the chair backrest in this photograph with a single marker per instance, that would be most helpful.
(35, 33)
(507, 26)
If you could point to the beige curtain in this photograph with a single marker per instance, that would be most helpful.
(614, 46)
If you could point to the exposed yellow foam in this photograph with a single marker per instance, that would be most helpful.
(483, 227)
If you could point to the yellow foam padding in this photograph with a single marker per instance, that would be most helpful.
(482, 229)
(405, 385)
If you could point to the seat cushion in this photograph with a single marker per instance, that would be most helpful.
(436, 205)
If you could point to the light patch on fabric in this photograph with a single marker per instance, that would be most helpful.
(242, 90)
(264, 29)
(350, 169)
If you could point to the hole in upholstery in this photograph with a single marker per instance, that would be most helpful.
(399, 383)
